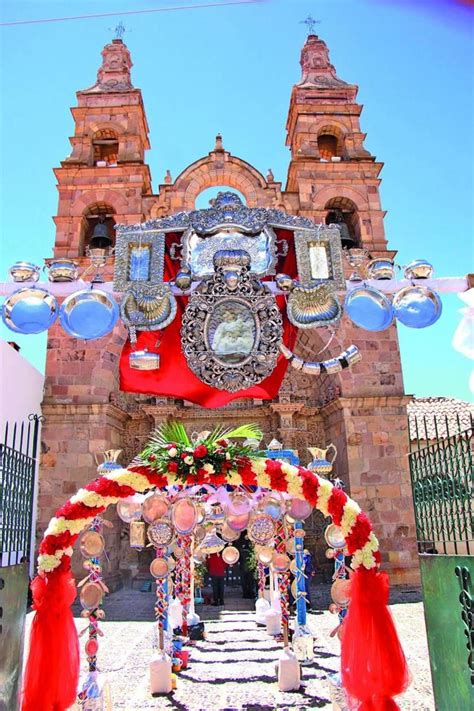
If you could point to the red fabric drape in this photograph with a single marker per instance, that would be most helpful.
(52, 670)
(373, 665)
(174, 378)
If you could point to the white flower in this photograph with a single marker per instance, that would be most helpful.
(227, 456)
(209, 468)
(172, 452)
(188, 460)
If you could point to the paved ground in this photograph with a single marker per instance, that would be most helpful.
(234, 669)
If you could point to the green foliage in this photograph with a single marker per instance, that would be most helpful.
(170, 450)
(170, 432)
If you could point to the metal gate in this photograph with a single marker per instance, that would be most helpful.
(441, 469)
(17, 485)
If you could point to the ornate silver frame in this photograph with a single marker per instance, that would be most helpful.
(129, 237)
(327, 236)
(256, 298)
(227, 211)
(237, 238)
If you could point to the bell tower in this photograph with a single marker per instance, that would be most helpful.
(103, 182)
(104, 179)
(332, 177)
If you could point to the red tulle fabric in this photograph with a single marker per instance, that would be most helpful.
(373, 664)
(52, 671)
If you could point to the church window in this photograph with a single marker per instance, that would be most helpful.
(327, 145)
(105, 146)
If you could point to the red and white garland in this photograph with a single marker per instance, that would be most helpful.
(56, 548)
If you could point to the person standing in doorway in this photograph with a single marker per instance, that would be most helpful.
(309, 574)
(247, 575)
(216, 567)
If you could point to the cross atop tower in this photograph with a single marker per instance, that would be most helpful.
(310, 22)
(120, 30)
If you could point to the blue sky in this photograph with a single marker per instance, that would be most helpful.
(231, 69)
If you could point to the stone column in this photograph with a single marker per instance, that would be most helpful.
(71, 435)
(372, 433)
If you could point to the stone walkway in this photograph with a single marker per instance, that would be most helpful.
(234, 669)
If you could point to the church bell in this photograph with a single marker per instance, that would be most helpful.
(337, 218)
(100, 238)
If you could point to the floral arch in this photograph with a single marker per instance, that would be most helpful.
(372, 663)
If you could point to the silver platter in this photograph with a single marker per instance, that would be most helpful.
(30, 311)
(89, 314)
(417, 306)
(369, 309)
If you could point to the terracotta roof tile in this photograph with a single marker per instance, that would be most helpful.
(451, 416)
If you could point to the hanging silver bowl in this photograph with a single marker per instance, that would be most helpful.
(62, 270)
(380, 268)
(30, 310)
(24, 271)
(313, 306)
(89, 313)
(419, 269)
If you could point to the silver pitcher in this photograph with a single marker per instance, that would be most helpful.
(24, 271)
(419, 269)
(381, 268)
(61, 270)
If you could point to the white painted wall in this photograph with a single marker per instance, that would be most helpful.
(21, 387)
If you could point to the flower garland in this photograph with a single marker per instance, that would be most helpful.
(226, 464)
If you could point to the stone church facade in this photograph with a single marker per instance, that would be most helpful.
(331, 177)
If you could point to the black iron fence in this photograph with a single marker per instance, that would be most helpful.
(441, 468)
(17, 481)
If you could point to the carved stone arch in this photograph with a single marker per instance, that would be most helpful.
(216, 169)
(323, 196)
(91, 197)
(95, 126)
(337, 128)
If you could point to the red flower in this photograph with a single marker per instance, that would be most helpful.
(202, 476)
(222, 442)
(171, 445)
(152, 458)
(359, 534)
(200, 451)
(336, 505)
(277, 477)
(51, 543)
(310, 485)
(218, 479)
(173, 467)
